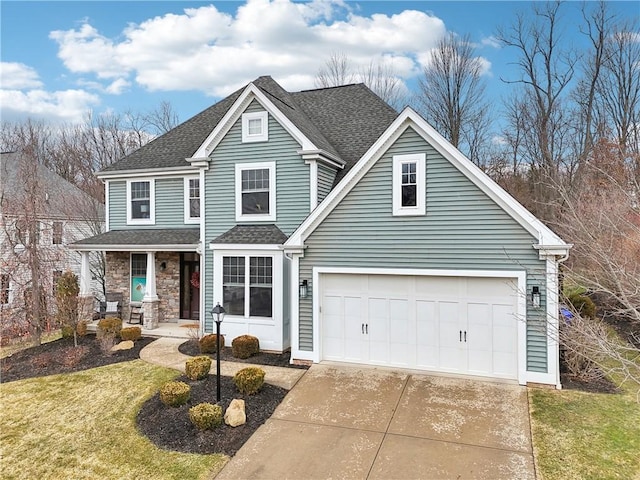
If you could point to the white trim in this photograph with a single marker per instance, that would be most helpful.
(147, 172)
(313, 184)
(271, 216)
(106, 205)
(552, 326)
(244, 246)
(521, 307)
(263, 136)
(409, 118)
(322, 156)
(421, 179)
(135, 248)
(250, 92)
(188, 219)
(150, 293)
(152, 203)
(295, 308)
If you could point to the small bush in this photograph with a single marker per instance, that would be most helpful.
(82, 328)
(245, 346)
(109, 326)
(249, 380)
(583, 305)
(174, 394)
(197, 368)
(206, 416)
(67, 331)
(208, 343)
(131, 333)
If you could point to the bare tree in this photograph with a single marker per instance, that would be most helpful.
(162, 119)
(451, 95)
(336, 71)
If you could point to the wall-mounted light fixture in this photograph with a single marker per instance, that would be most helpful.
(535, 296)
(304, 289)
(163, 266)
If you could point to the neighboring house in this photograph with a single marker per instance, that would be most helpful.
(326, 222)
(41, 214)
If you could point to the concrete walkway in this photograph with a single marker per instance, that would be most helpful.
(164, 352)
(365, 423)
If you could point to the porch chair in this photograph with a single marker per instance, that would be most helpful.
(112, 306)
(136, 315)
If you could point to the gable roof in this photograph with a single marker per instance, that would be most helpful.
(548, 241)
(60, 198)
(340, 121)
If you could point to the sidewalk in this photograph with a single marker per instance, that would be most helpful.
(164, 352)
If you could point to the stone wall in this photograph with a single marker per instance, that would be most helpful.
(167, 282)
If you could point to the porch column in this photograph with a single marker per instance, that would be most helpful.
(85, 300)
(150, 301)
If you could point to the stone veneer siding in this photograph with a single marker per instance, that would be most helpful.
(118, 279)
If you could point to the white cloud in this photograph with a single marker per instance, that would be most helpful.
(215, 52)
(62, 106)
(490, 41)
(18, 76)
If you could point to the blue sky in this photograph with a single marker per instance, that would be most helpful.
(62, 59)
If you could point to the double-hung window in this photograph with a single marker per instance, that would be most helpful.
(192, 199)
(409, 182)
(140, 202)
(57, 233)
(5, 289)
(248, 295)
(255, 191)
(255, 127)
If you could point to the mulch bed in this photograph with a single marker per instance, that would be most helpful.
(191, 347)
(170, 428)
(60, 356)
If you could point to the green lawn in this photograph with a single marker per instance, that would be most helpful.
(82, 426)
(580, 435)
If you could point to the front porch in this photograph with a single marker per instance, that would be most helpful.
(185, 329)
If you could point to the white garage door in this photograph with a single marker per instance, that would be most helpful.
(448, 324)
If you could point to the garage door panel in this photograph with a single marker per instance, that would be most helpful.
(354, 314)
(505, 358)
(401, 341)
(377, 330)
(333, 327)
(426, 334)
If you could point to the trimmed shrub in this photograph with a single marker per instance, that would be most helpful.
(110, 326)
(249, 380)
(131, 333)
(197, 368)
(245, 346)
(206, 416)
(67, 331)
(208, 343)
(583, 305)
(82, 328)
(174, 394)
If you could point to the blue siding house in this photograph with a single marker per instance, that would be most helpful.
(327, 223)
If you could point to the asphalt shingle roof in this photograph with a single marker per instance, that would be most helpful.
(167, 236)
(344, 121)
(252, 234)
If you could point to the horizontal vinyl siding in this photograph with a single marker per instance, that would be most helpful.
(326, 177)
(169, 204)
(462, 229)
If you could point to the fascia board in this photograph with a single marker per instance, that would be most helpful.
(234, 113)
(147, 172)
(134, 248)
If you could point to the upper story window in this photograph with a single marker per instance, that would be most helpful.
(57, 233)
(192, 200)
(409, 184)
(255, 127)
(140, 202)
(256, 191)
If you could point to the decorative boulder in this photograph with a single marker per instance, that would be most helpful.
(235, 415)
(126, 345)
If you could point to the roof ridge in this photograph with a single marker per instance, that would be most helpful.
(330, 88)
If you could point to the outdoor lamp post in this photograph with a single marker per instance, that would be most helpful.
(218, 313)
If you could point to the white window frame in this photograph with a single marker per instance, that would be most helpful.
(263, 136)
(152, 203)
(420, 160)
(187, 200)
(271, 216)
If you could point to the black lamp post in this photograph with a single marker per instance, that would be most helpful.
(218, 313)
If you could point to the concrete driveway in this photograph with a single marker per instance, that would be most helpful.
(364, 423)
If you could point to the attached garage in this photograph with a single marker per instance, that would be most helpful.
(437, 322)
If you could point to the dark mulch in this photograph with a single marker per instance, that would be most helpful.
(170, 427)
(60, 356)
(191, 347)
(598, 385)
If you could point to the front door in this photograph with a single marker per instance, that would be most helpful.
(189, 286)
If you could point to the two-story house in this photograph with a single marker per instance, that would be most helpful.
(327, 223)
(41, 214)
